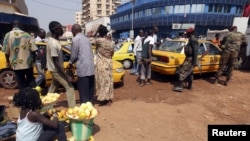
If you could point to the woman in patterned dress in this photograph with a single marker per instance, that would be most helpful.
(103, 67)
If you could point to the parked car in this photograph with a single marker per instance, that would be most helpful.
(7, 76)
(170, 55)
(124, 54)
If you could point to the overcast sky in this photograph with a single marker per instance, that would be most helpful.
(49, 10)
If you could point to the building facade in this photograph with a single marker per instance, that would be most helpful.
(13, 6)
(173, 17)
(95, 9)
(78, 18)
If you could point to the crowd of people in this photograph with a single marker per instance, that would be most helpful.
(230, 47)
(94, 78)
(94, 69)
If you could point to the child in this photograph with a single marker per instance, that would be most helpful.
(31, 124)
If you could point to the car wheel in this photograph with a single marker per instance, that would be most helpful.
(127, 64)
(8, 79)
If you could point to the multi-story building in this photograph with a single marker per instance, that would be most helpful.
(94, 9)
(174, 16)
(78, 18)
(12, 6)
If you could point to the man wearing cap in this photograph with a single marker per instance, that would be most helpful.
(186, 69)
(230, 49)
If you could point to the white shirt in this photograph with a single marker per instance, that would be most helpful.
(54, 49)
(27, 130)
(150, 39)
(138, 44)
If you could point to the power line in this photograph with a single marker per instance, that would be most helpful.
(73, 1)
(54, 6)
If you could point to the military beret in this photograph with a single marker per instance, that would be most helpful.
(189, 30)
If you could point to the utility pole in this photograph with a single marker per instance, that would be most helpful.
(132, 20)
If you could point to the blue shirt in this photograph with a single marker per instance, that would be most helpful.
(82, 55)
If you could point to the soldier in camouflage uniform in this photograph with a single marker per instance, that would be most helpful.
(186, 69)
(230, 50)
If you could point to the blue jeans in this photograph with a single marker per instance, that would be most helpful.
(40, 71)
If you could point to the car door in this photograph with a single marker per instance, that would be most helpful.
(203, 64)
(214, 55)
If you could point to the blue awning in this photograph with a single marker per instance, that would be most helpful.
(29, 24)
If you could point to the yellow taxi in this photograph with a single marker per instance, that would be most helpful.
(170, 55)
(7, 76)
(124, 54)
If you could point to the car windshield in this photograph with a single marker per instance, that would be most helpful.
(172, 46)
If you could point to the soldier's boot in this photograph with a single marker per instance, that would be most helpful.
(227, 80)
(179, 88)
(216, 79)
(190, 83)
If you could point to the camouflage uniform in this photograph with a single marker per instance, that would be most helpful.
(186, 69)
(230, 50)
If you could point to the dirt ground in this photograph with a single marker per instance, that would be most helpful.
(156, 113)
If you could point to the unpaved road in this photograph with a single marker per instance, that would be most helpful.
(156, 113)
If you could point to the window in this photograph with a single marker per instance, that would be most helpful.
(156, 11)
(141, 14)
(148, 12)
(107, 1)
(136, 15)
(99, 6)
(172, 46)
(99, 12)
(130, 48)
(210, 8)
(107, 6)
(169, 9)
(201, 49)
(107, 12)
(238, 10)
(212, 50)
(197, 8)
(227, 8)
(217, 8)
(176, 8)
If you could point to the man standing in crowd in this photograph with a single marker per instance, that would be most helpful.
(230, 50)
(145, 61)
(155, 36)
(20, 53)
(40, 63)
(186, 69)
(137, 52)
(54, 57)
(216, 40)
(82, 55)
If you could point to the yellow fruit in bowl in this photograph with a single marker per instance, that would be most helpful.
(87, 112)
(70, 111)
(94, 113)
(82, 115)
(75, 110)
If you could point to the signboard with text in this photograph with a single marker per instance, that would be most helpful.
(182, 26)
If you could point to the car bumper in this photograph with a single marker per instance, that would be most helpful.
(118, 77)
(168, 70)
